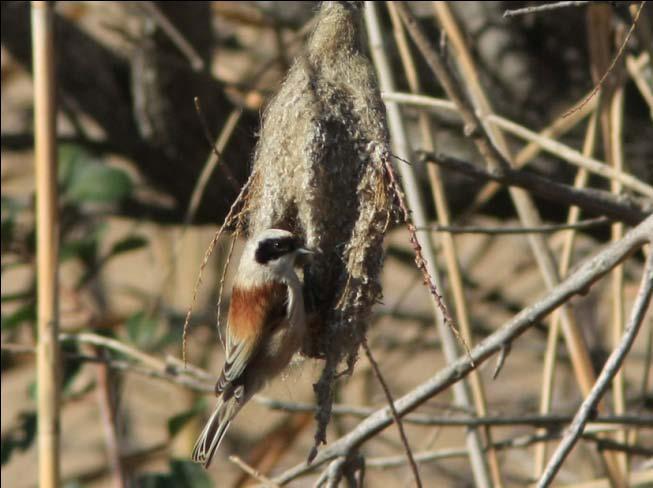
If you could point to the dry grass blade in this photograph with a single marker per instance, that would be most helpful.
(616, 58)
(232, 215)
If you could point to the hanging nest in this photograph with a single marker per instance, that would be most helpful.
(318, 172)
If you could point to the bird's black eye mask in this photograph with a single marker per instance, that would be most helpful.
(271, 249)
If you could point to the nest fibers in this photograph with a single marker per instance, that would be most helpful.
(319, 172)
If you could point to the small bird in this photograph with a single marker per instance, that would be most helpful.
(265, 328)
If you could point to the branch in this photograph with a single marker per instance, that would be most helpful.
(395, 416)
(422, 419)
(577, 283)
(608, 372)
(541, 140)
(541, 229)
(591, 200)
(543, 8)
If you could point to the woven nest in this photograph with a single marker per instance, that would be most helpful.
(318, 171)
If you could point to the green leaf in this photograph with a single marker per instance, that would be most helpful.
(19, 296)
(99, 183)
(20, 436)
(70, 367)
(141, 330)
(189, 474)
(25, 313)
(72, 157)
(177, 422)
(130, 243)
(7, 232)
(73, 484)
(183, 474)
(84, 249)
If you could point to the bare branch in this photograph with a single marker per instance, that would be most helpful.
(542, 229)
(252, 472)
(578, 282)
(395, 416)
(543, 8)
(608, 372)
(591, 200)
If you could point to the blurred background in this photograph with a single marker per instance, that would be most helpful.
(132, 147)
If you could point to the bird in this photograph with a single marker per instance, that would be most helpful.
(265, 328)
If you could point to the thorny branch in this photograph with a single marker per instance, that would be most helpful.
(420, 262)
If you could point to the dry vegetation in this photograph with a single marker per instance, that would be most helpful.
(501, 201)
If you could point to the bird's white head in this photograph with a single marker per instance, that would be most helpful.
(271, 255)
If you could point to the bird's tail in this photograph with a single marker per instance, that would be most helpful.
(215, 429)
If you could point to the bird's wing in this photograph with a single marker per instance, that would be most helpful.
(253, 313)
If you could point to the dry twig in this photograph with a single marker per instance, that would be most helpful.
(616, 58)
(253, 472)
(591, 200)
(542, 229)
(608, 372)
(395, 416)
(543, 8)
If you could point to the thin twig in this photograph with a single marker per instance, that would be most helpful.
(518, 442)
(608, 372)
(177, 38)
(395, 416)
(218, 313)
(173, 371)
(591, 200)
(616, 58)
(542, 229)
(420, 262)
(543, 8)
(218, 147)
(231, 215)
(200, 186)
(253, 472)
(549, 420)
(106, 391)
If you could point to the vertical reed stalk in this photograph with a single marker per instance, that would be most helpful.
(447, 240)
(551, 356)
(46, 243)
(401, 146)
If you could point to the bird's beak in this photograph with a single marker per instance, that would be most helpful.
(304, 256)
